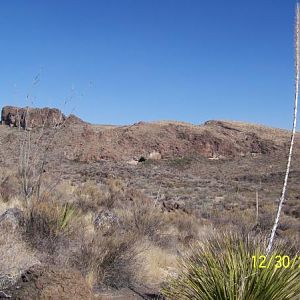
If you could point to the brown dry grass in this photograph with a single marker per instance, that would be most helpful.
(91, 196)
(143, 217)
(9, 185)
(156, 264)
(108, 259)
(47, 223)
(15, 256)
(203, 196)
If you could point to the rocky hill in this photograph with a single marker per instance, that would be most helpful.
(80, 141)
(213, 139)
(197, 161)
(220, 174)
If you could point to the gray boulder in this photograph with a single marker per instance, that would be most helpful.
(12, 217)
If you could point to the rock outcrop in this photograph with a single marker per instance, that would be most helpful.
(31, 117)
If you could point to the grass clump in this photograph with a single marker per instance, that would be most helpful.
(142, 216)
(221, 268)
(47, 222)
(8, 187)
(90, 196)
(15, 256)
(109, 260)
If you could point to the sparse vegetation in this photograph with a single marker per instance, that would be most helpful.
(168, 206)
(221, 268)
(164, 210)
(15, 256)
(117, 232)
(108, 259)
(47, 223)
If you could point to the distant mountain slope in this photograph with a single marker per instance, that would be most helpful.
(80, 141)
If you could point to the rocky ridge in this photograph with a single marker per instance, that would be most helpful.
(83, 142)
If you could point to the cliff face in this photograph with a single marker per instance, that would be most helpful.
(31, 117)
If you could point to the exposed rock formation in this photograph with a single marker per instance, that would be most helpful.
(31, 117)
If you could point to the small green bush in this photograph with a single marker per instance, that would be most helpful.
(221, 268)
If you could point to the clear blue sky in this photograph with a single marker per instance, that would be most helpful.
(121, 61)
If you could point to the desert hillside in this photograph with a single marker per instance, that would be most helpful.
(153, 189)
(80, 141)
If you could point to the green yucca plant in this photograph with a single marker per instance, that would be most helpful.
(49, 219)
(222, 268)
(66, 215)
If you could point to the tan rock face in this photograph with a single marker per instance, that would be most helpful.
(31, 117)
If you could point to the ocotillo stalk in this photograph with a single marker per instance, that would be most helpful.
(256, 196)
(282, 198)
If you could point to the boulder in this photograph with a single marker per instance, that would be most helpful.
(12, 218)
(31, 117)
(133, 162)
(155, 155)
(105, 220)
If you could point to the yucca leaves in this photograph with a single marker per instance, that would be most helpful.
(221, 268)
(66, 215)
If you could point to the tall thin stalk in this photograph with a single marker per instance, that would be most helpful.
(282, 198)
(256, 198)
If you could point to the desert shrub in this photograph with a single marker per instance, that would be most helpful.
(46, 222)
(186, 226)
(156, 264)
(180, 163)
(91, 197)
(222, 268)
(232, 219)
(148, 219)
(9, 187)
(88, 196)
(108, 259)
(117, 190)
(292, 210)
(266, 218)
(15, 256)
(55, 189)
(45, 282)
(289, 229)
(115, 185)
(142, 216)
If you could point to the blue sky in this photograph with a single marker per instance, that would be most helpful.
(122, 61)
